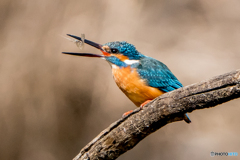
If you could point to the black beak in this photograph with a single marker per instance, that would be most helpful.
(84, 54)
(96, 45)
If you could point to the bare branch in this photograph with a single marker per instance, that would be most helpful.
(125, 133)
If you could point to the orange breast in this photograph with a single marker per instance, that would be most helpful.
(135, 88)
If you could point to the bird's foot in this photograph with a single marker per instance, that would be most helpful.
(141, 107)
(127, 113)
(144, 103)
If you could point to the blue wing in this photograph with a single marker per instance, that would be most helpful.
(157, 75)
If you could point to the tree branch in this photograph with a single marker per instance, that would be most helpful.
(125, 133)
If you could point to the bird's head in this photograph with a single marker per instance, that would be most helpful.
(119, 53)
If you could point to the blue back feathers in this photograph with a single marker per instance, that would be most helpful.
(157, 75)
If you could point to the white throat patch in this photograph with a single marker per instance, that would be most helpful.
(130, 62)
(114, 66)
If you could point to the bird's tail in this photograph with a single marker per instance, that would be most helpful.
(186, 118)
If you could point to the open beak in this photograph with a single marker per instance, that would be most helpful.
(96, 45)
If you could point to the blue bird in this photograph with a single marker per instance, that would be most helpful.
(141, 78)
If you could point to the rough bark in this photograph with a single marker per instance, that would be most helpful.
(125, 133)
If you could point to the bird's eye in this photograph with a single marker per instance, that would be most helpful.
(114, 50)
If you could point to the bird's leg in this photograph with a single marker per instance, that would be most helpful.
(144, 103)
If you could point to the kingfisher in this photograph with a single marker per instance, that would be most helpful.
(141, 78)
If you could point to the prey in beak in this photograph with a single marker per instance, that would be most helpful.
(96, 45)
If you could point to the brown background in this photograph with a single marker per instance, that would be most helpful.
(52, 105)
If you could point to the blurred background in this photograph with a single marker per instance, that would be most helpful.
(52, 104)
